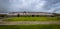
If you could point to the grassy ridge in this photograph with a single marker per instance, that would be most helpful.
(29, 26)
(32, 19)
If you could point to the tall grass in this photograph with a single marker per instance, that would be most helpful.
(30, 26)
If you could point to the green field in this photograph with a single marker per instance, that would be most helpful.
(30, 26)
(33, 19)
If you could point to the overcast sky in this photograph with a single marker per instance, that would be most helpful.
(30, 5)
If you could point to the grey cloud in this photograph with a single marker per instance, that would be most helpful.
(29, 5)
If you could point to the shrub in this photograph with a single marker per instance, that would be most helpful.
(1, 15)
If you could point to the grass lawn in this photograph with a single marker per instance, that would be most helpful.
(30, 26)
(32, 19)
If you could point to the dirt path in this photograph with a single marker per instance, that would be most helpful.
(28, 22)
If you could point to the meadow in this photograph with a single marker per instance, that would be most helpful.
(51, 26)
(32, 19)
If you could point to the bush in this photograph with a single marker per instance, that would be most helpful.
(1, 15)
(58, 17)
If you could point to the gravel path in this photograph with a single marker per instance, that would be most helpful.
(28, 22)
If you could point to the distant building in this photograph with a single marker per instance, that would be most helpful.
(30, 13)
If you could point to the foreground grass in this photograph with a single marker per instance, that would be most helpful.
(30, 26)
(32, 19)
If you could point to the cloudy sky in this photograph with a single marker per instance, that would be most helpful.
(30, 6)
